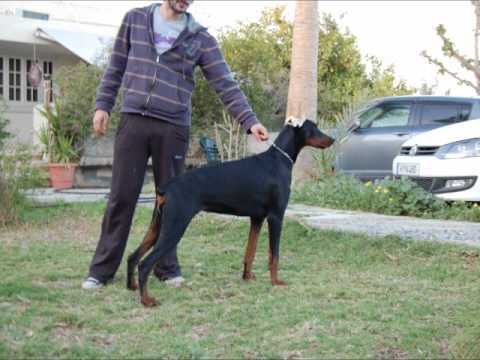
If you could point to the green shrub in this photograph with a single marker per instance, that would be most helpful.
(401, 197)
(16, 173)
(388, 196)
(76, 87)
(4, 134)
(60, 137)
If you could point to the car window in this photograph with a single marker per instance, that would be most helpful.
(386, 115)
(439, 114)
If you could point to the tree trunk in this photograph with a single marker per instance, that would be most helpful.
(302, 91)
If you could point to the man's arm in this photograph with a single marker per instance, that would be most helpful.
(219, 76)
(113, 75)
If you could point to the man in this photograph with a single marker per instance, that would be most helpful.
(154, 56)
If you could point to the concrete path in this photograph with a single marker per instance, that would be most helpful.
(459, 232)
(50, 196)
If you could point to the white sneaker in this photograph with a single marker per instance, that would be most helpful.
(91, 283)
(177, 281)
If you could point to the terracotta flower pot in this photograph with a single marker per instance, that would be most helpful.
(62, 175)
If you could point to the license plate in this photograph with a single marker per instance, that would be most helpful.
(408, 169)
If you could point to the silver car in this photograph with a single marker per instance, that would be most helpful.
(385, 124)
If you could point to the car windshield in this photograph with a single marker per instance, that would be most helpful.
(385, 115)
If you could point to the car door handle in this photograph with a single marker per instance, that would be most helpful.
(401, 133)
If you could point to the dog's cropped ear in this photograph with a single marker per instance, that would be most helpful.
(293, 121)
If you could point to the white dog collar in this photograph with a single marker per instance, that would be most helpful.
(293, 121)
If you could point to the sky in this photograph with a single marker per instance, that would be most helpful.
(393, 31)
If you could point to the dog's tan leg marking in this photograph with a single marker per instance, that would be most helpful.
(274, 272)
(251, 250)
(146, 300)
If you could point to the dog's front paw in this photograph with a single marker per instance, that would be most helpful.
(279, 283)
(132, 285)
(249, 275)
(148, 301)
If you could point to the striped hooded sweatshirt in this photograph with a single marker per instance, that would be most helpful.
(161, 86)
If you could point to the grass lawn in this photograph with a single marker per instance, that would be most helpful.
(349, 296)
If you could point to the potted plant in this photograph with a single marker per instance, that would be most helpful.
(58, 138)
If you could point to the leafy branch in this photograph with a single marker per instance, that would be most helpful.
(442, 70)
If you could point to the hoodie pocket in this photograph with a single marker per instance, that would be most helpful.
(181, 136)
(122, 124)
(170, 94)
(185, 90)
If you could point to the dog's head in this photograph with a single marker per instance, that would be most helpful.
(308, 134)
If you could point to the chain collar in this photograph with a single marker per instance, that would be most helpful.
(281, 151)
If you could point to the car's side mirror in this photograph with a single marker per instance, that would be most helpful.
(355, 125)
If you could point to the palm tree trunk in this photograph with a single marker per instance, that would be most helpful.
(302, 91)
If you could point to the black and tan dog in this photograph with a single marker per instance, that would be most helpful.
(257, 186)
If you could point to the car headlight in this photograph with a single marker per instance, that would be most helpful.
(460, 149)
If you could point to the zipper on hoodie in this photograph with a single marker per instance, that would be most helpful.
(153, 84)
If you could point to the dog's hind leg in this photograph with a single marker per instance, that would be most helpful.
(148, 241)
(274, 232)
(173, 227)
(255, 227)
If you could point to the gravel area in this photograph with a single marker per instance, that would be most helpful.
(459, 232)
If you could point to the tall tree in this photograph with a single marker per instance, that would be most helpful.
(449, 50)
(302, 90)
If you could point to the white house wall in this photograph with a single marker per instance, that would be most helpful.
(20, 113)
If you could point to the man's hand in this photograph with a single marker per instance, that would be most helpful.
(259, 131)
(100, 122)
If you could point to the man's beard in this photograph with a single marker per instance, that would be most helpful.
(173, 3)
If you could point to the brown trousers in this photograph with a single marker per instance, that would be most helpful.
(138, 137)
